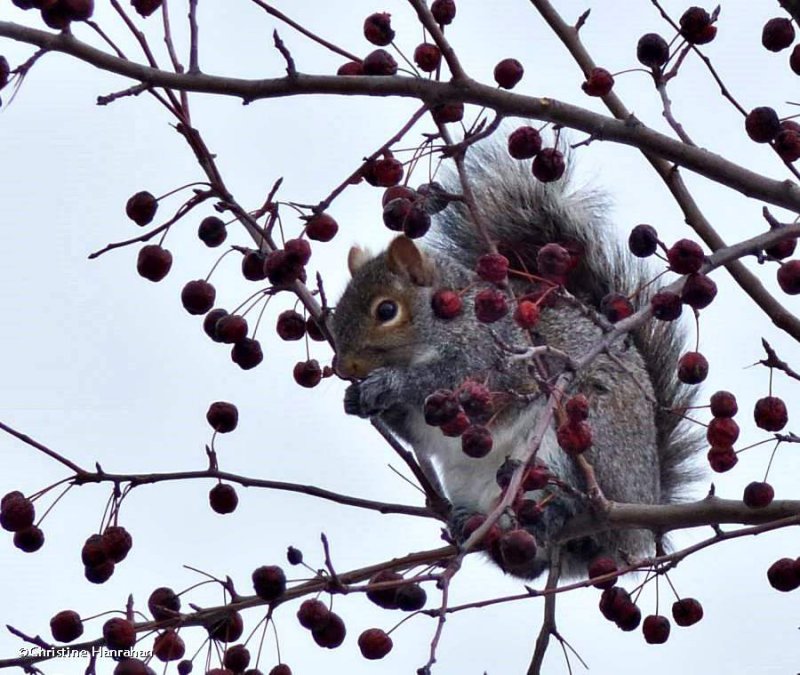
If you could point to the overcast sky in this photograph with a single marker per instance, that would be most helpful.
(106, 367)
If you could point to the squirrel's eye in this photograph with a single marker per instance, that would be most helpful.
(386, 311)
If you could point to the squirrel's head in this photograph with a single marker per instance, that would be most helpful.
(374, 320)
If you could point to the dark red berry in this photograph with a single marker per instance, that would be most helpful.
(553, 262)
(491, 305)
(99, 574)
(282, 268)
(440, 407)
(321, 227)
(163, 603)
(222, 416)
(332, 634)
(770, 413)
(411, 597)
(153, 262)
(548, 165)
(687, 611)
(692, 368)
(476, 400)
(643, 241)
(456, 426)
(294, 555)
(378, 29)
(723, 404)
(789, 277)
(474, 522)
(476, 441)
(313, 614)
(492, 267)
(130, 666)
(616, 306)
(652, 50)
(141, 208)
(380, 62)
(722, 459)
(269, 582)
(169, 646)
(398, 192)
(535, 478)
(307, 373)
(118, 542)
(696, 26)
(55, 16)
(524, 143)
(223, 498)
(291, 325)
(777, 34)
(146, 7)
(384, 597)
(600, 567)
(598, 83)
(351, 68)
(516, 548)
(722, 432)
(432, 197)
(444, 11)
(787, 145)
(574, 437)
(298, 251)
(526, 314)
(612, 601)
(447, 113)
(758, 495)
(395, 213)
(794, 60)
(762, 124)
(417, 221)
(698, 291)
(247, 354)
(783, 575)
(210, 323)
(666, 305)
(66, 626)
(94, 551)
(314, 331)
(374, 643)
(17, 512)
(231, 328)
(577, 408)
(119, 634)
(685, 257)
(29, 540)
(236, 658)
(185, 667)
(655, 629)
(197, 297)
(228, 628)
(254, 266)
(212, 231)
(5, 71)
(508, 73)
(446, 304)
(427, 56)
(387, 171)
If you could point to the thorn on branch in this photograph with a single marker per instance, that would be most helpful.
(130, 91)
(582, 20)
(772, 361)
(291, 71)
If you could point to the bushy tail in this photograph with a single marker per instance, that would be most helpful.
(522, 214)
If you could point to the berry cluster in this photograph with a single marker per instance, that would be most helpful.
(17, 515)
(465, 412)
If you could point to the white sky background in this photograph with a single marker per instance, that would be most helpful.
(102, 365)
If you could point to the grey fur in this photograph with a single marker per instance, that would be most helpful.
(640, 453)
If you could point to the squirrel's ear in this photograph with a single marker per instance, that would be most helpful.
(403, 257)
(356, 258)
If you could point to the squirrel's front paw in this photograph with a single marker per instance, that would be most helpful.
(372, 395)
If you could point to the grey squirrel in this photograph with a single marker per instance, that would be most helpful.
(399, 352)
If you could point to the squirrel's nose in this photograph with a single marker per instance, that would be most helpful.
(349, 367)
